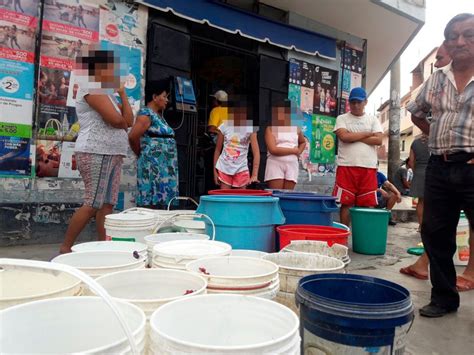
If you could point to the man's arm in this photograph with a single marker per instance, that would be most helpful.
(375, 139)
(351, 137)
(421, 123)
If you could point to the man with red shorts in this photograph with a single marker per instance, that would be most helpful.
(356, 176)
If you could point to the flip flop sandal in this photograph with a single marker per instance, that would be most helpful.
(463, 284)
(410, 272)
(416, 251)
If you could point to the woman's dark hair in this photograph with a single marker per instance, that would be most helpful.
(94, 58)
(457, 18)
(156, 87)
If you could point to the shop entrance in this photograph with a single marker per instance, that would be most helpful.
(219, 67)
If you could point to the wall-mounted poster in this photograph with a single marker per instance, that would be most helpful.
(351, 76)
(323, 143)
(15, 156)
(18, 25)
(325, 93)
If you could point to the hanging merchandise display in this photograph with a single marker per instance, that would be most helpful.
(18, 25)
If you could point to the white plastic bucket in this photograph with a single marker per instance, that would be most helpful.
(293, 266)
(234, 273)
(461, 256)
(317, 247)
(248, 253)
(151, 288)
(130, 226)
(225, 324)
(175, 255)
(69, 325)
(192, 226)
(98, 263)
(153, 239)
(130, 247)
(19, 284)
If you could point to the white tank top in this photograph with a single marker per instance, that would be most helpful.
(285, 137)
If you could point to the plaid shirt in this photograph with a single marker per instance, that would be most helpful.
(452, 127)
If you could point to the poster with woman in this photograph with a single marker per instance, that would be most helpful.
(326, 93)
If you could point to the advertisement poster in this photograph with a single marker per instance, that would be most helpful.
(18, 25)
(323, 143)
(325, 94)
(15, 156)
(351, 77)
(67, 162)
(48, 157)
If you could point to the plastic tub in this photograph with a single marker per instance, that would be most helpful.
(317, 247)
(175, 255)
(342, 314)
(19, 284)
(331, 235)
(234, 272)
(70, 325)
(130, 226)
(245, 222)
(240, 192)
(192, 226)
(225, 324)
(307, 208)
(149, 289)
(248, 253)
(112, 246)
(293, 266)
(98, 263)
(369, 230)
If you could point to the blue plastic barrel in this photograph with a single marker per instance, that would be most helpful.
(245, 222)
(307, 207)
(353, 313)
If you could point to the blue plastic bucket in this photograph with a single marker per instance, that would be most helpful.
(346, 313)
(307, 207)
(245, 222)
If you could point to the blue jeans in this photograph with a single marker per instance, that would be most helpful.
(449, 188)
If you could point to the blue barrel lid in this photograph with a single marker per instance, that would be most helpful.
(236, 198)
(302, 196)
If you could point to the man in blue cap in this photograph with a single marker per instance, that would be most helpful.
(356, 176)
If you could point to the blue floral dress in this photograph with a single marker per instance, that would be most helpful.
(157, 165)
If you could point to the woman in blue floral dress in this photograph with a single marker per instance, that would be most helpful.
(152, 140)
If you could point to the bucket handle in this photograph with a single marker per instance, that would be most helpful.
(136, 209)
(318, 347)
(182, 199)
(329, 208)
(89, 281)
(200, 215)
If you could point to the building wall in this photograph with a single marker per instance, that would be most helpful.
(315, 182)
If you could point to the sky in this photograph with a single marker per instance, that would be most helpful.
(438, 13)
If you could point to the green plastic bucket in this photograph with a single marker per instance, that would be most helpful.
(369, 230)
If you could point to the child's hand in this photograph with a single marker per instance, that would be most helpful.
(253, 179)
(216, 178)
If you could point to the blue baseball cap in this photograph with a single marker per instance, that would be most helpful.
(358, 94)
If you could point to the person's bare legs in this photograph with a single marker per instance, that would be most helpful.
(419, 211)
(223, 186)
(276, 184)
(289, 185)
(345, 215)
(100, 219)
(77, 223)
(469, 270)
(391, 201)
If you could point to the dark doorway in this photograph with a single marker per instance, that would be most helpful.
(219, 67)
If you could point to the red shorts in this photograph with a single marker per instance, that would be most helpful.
(356, 186)
(240, 179)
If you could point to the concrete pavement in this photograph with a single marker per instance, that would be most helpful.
(452, 334)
